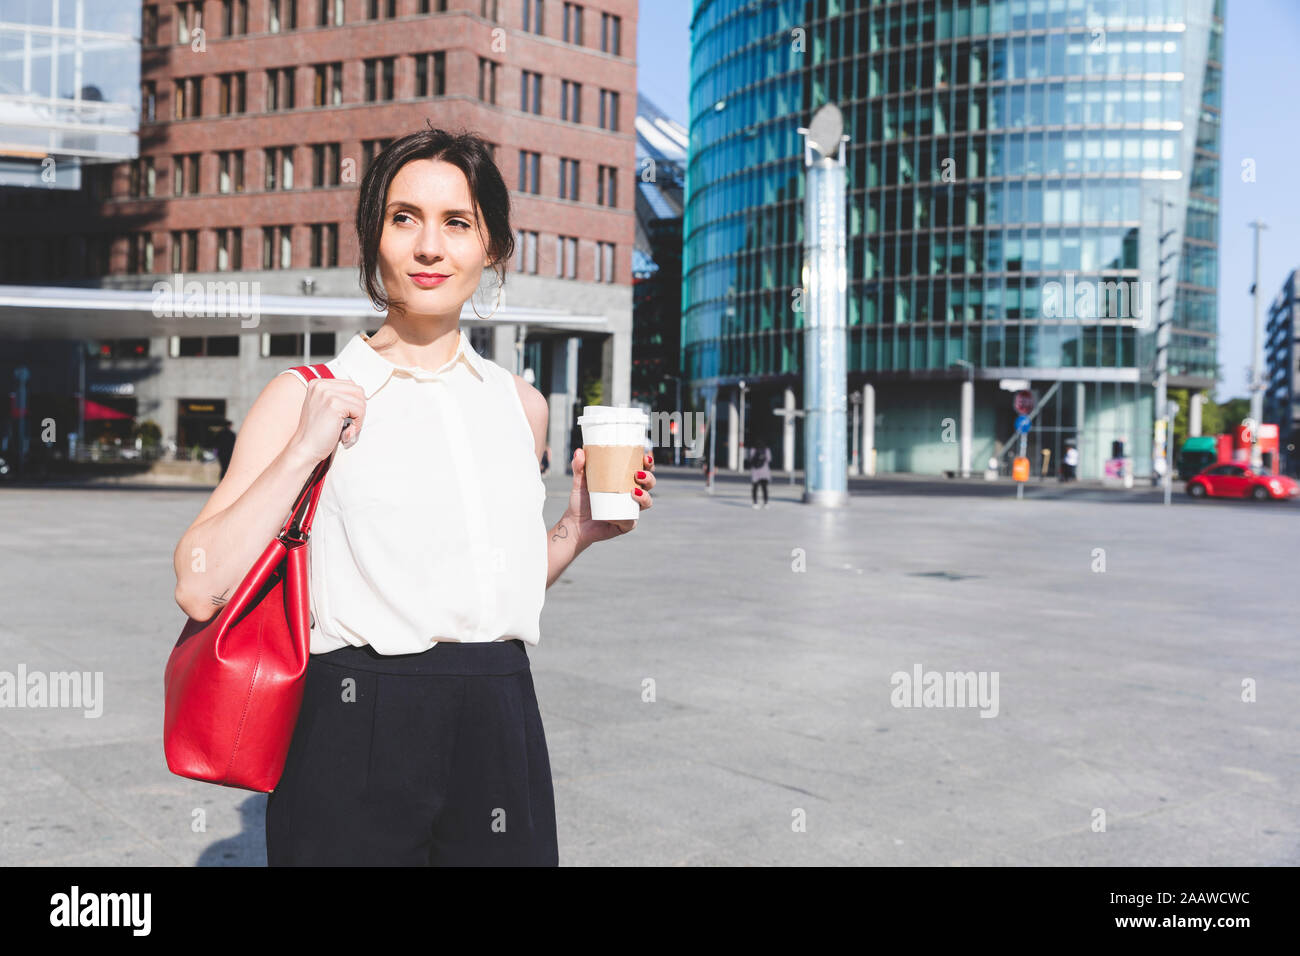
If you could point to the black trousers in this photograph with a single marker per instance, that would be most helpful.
(754, 490)
(430, 759)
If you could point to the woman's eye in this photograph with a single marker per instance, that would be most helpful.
(459, 222)
(399, 215)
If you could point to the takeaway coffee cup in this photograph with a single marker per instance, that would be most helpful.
(613, 439)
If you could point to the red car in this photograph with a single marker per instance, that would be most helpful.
(1228, 479)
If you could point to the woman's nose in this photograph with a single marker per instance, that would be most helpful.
(427, 244)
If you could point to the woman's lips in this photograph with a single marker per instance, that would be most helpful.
(426, 281)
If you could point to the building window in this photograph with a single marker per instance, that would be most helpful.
(526, 251)
(488, 10)
(123, 348)
(230, 96)
(234, 17)
(329, 13)
(382, 8)
(606, 192)
(431, 74)
(370, 148)
(533, 16)
(188, 101)
(189, 17)
(290, 344)
(279, 89)
(203, 346)
(230, 171)
(185, 251)
(230, 250)
(608, 110)
(530, 91)
(279, 167)
(566, 257)
(604, 262)
(327, 86)
(149, 24)
(144, 178)
(277, 251)
(379, 79)
(573, 24)
(324, 245)
(570, 101)
(325, 164)
(282, 15)
(148, 102)
(568, 179)
(487, 80)
(139, 253)
(611, 29)
(185, 174)
(529, 166)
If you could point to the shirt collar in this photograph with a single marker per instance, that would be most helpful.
(363, 365)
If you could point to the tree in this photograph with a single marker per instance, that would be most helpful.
(1219, 418)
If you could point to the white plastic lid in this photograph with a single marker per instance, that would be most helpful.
(612, 414)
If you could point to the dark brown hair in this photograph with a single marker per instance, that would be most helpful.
(468, 153)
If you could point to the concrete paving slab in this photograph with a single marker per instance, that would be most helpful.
(1121, 633)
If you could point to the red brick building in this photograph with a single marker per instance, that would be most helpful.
(258, 119)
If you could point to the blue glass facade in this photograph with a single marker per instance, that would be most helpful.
(1000, 152)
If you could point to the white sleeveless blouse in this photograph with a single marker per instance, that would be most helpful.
(430, 526)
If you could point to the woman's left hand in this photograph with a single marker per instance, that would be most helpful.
(589, 530)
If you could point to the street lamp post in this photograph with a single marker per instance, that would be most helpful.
(1256, 360)
(967, 416)
(677, 445)
(1162, 454)
(742, 386)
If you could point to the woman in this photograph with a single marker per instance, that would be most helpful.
(760, 472)
(420, 741)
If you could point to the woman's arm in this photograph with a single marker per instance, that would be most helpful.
(563, 544)
(562, 540)
(576, 531)
(248, 507)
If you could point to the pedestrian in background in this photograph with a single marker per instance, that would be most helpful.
(224, 445)
(1070, 463)
(760, 471)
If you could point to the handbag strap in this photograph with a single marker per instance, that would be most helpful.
(297, 527)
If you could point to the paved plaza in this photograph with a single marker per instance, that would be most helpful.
(1123, 637)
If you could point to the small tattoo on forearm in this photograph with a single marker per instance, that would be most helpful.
(561, 531)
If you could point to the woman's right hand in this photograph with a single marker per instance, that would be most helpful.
(328, 402)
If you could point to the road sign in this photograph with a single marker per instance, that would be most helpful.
(1022, 424)
(1024, 401)
(1020, 469)
(1013, 384)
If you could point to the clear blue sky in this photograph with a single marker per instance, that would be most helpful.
(1261, 121)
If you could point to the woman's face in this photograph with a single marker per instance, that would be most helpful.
(430, 226)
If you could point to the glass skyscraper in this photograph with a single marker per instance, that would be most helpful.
(1027, 179)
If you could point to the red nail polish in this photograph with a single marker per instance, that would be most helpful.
(640, 474)
(638, 491)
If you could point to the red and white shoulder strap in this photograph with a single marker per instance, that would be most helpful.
(306, 373)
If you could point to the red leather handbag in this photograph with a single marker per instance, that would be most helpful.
(234, 683)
